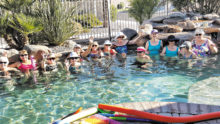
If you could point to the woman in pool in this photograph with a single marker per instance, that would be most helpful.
(201, 46)
(4, 68)
(171, 50)
(73, 65)
(154, 45)
(142, 59)
(186, 50)
(50, 64)
(120, 44)
(78, 50)
(24, 65)
(108, 51)
(93, 51)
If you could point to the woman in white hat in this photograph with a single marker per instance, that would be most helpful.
(4, 67)
(72, 65)
(154, 45)
(78, 50)
(121, 44)
(186, 50)
(108, 51)
(50, 64)
(201, 46)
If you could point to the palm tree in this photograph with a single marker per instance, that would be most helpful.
(142, 9)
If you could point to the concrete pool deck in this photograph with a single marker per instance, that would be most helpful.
(171, 109)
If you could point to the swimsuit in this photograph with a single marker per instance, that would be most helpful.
(51, 67)
(171, 53)
(23, 68)
(190, 57)
(154, 50)
(109, 53)
(121, 49)
(199, 50)
(73, 69)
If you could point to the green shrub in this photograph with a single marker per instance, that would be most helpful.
(121, 5)
(114, 12)
(88, 20)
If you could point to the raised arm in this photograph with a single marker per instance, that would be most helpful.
(86, 53)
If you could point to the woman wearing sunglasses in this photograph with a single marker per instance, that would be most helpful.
(142, 59)
(93, 51)
(154, 45)
(203, 47)
(50, 64)
(72, 64)
(108, 51)
(120, 44)
(24, 65)
(171, 50)
(78, 50)
(4, 67)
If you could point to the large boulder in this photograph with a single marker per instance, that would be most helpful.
(172, 29)
(146, 29)
(173, 21)
(181, 35)
(187, 25)
(158, 19)
(130, 33)
(211, 16)
(13, 55)
(194, 16)
(216, 22)
(210, 30)
(33, 49)
(69, 43)
(177, 15)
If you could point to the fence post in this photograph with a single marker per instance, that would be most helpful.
(109, 20)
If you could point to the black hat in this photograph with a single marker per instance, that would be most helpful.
(172, 38)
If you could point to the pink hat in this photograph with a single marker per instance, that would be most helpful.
(141, 49)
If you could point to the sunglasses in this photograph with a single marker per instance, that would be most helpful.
(72, 58)
(94, 45)
(121, 37)
(107, 44)
(140, 51)
(51, 59)
(3, 62)
(22, 55)
(172, 41)
(198, 34)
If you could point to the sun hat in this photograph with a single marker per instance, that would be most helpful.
(4, 59)
(23, 52)
(77, 45)
(199, 31)
(172, 38)
(186, 44)
(51, 55)
(154, 31)
(107, 42)
(73, 54)
(120, 34)
(95, 43)
(142, 49)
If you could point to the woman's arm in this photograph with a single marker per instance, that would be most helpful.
(146, 47)
(86, 53)
(14, 65)
(212, 47)
(163, 52)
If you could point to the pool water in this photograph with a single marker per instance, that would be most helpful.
(166, 80)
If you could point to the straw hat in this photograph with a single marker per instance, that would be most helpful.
(51, 55)
(120, 34)
(23, 52)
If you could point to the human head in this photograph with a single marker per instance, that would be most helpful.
(187, 45)
(3, 62)
(51, 58)
(23, 55)
(107, 43)
(95, 45)
(73, 56)
(77, 46)
(141, 51)
(199, 33)
(154, 33)
(120, 36)
(172, 40)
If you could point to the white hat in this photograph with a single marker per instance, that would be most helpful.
(199, 31)
(51, 55)
(187, 44)
(73, 54)
(107, 42)
(77, 45)
(4, 59)
(120, 34)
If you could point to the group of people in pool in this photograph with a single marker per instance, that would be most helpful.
(198, 48)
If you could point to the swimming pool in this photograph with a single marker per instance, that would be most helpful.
(166, 80)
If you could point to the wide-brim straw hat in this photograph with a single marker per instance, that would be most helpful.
(23, 52)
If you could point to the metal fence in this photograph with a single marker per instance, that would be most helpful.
(100, 9)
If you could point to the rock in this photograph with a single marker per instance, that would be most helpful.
(187, 25)
(194, 16)
(158, 19)
(146, 29)
(211, 16)
(172, 21)
(177, 15)
(32, 49)
(69, 43)
(160, 27)
(217, 22)
(205, 91)
(181, 35)
(13, 55)
(210, 30)
(172, 29)
(130, 33)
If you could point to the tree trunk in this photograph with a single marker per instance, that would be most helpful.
(105, 13)
(10, 42)
(25, 39)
